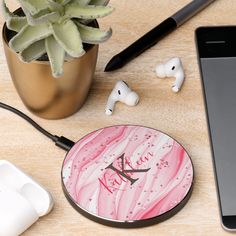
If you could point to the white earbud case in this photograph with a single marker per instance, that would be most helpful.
(22, 200)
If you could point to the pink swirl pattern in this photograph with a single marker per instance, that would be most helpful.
(99, 170)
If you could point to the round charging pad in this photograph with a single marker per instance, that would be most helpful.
(127, 176)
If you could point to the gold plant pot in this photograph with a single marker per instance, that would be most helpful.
(44, 95)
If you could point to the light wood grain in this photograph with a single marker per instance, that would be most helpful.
(180, 115)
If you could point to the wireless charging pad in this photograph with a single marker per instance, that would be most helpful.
(127, 176)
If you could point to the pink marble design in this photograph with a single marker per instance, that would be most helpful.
(165, 176)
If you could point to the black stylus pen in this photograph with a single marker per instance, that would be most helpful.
(156, 34)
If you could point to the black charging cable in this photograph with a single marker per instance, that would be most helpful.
(61, 142)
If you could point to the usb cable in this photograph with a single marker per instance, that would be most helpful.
(61, 141)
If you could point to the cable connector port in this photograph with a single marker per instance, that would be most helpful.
(64, 143)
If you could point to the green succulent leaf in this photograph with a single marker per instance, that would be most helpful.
(34, 51)
(64, 2)
(86, 12)
(95, 3)
(43, 17)
(56, 55)
(41, 13)
(68, 36)
(35, 6)
(56, 7)
(29, 35)
(93, 35)
(14, 22)
(68, 57)
(99, 2)
(81, 2)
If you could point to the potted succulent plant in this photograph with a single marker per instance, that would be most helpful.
(51, 48)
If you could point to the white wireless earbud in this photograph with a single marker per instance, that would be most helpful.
(172, 68)
(121, 93)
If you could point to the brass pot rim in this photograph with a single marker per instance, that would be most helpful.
(5, 41)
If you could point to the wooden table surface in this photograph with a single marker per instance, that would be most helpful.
(180, 115)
